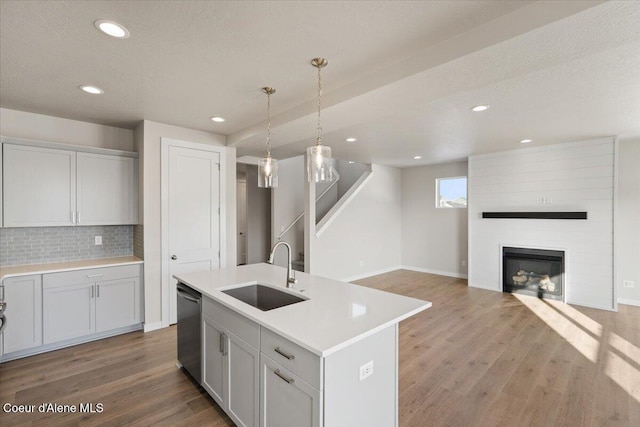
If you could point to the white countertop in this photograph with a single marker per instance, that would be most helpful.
(335, 315)
(55, 267)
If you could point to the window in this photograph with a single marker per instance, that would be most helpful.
(451, 192)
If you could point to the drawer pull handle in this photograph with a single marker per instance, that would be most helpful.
(288, 380)
(94, 275)
(283, 354)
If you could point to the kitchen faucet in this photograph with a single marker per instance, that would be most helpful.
(291, 275)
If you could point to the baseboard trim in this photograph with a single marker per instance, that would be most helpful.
(626, 301)
(371, 273)
(148, 327)
(438, 272)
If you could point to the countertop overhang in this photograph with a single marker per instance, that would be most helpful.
(56, 267)
(335, 315)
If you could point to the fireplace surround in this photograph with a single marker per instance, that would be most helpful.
(533, 272)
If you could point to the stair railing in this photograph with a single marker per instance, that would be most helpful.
(299, 217)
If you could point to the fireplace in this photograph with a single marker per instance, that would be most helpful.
(534, 272)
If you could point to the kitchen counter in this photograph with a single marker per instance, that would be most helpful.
(334, 316)
(56, 267)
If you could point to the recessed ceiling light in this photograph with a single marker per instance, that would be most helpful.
(417, 157)
(478, 108)
(112, 29)
(525, 141)
(92, 90)
(351, 162)
(217, 119)
(352, 139)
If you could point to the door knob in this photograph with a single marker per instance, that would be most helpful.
(173, 257)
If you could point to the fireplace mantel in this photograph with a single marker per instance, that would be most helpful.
(535, 215)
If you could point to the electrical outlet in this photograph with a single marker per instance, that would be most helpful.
(366, 370)
(361, 263)
(464, 262)
(98, 240)
(628, 284)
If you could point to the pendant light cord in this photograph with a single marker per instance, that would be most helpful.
(319, 139)
(268, 124)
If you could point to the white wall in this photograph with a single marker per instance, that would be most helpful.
(286, 204)
(364, 239)
(152, 132)
(433, 240)
(258, 218)
(627, 249)
(20, 124)
(573, 177)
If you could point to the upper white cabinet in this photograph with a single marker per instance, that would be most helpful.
(54, 187)
(39, 186)
(107, 190)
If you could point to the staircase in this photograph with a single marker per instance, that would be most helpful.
(299, 263)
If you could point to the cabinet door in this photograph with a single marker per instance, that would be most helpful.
(23, 296)
(286, 400)
(39, 186)
(117, 303)
(243, 380)
(213, 359)
(107, 190)
(69, 312)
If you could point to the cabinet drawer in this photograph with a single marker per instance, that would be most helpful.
(293, 357)
(244, 328)
(53, 280)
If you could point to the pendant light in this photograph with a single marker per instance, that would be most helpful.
(319, 168)
(268, 166)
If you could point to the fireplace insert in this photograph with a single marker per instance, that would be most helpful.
(534, 272)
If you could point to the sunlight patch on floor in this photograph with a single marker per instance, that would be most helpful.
(574, 335)
(585, 321)
(625, 375)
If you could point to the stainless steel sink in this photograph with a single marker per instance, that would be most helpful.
(263, 297)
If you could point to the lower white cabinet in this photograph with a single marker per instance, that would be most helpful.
(84, 302)
(286, 399)
(69, 312)
(230, 364)
(23, 296)
(117, 303)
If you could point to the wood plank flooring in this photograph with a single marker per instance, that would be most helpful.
(476, 358)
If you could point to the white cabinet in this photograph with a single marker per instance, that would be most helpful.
(55, 187)
(69, 312)
(117, 303)
(84, 302)
(213, 359)
(23, 296)
(106, 189)
(231, 362)
(286, 399)
(1, 197)
(39, 186)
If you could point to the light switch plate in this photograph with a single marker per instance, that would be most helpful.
(98, 240)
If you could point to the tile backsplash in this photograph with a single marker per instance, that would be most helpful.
(36, 245)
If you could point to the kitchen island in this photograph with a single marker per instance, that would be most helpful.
(328, 360)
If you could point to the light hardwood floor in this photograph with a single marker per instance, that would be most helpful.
(475, 358)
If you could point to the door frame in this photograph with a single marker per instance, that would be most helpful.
(165, 143)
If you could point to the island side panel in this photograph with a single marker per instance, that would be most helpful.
(372, 401)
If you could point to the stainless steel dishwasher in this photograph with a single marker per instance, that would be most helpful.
(189, 327)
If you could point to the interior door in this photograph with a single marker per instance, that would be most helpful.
(241, 203)
(194, 214)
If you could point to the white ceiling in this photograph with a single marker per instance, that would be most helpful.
(402, 76)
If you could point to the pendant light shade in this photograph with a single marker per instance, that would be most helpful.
(319, 162)
(268, 166)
